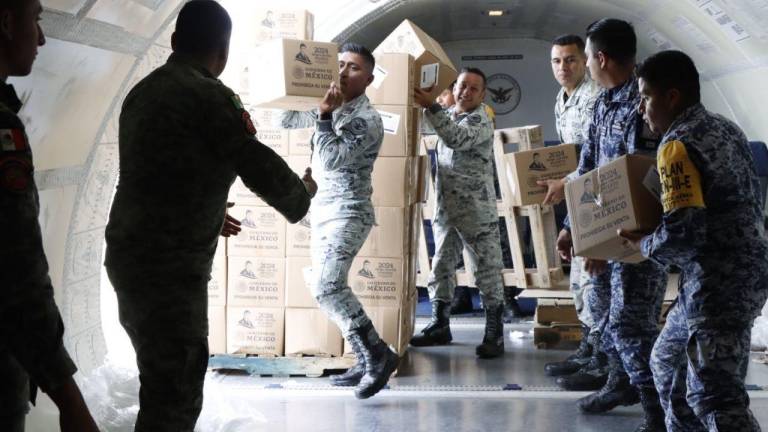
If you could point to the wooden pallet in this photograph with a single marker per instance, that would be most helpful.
(548, 271)
(312, 367)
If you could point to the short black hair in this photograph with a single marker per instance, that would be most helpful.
(360, 50)
(672, 69)
(202, 27)
(614, 38)
(473, 70)
(569, 39)
(14, 6)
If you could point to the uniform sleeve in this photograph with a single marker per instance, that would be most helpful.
(31, 327)
(264, 172)
(473, 131)
(355, 138)
(297, 119)
(683, 227)
(587, 114)
(587, 159)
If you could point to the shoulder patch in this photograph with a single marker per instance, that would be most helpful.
(680, 179)
(358, 125)
(237, 102)
(249, 127)
(15, 173)
(12, 140)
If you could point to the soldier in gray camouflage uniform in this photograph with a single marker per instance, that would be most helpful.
(31, 346)
(465, 214)
(348, 136)
(573, 113)
(184, 138)
(712, 229)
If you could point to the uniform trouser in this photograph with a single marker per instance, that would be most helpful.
(167, 322)
(699, 373)
(334, 245)
(14, 393)
(632, 294)
(581, 284)
(483, 246)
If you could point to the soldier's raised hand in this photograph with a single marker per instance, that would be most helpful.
(555, 190)
(333, 99)
(595, 267)
(422, 97)
(564, 245)
(231, 225)
(309, 182)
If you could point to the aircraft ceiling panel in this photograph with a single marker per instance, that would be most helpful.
(71, 86)
(744, 95)
(68, 6)
(133, 16)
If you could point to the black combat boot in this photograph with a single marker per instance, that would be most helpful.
(462, 301)
(353, 375)
(575, 361)
(380, 361)
(654, 414)
(493, 341)
(616, 391)
(592, 376)
(438, 331)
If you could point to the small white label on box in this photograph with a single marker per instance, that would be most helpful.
(379, 75)
(429, 75)
(390, 121)
(652, 182)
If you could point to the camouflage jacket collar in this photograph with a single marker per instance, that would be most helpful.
(692, 113)
(626, 92)
(181, 59)
(353, 105)
(457, 117)
(9, 98)
(578, 92)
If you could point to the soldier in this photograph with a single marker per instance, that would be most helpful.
(625, 298)
(465, 213)
(573, 112)
(32, 352)
(183, 139)
(712, 229)
(348, 136)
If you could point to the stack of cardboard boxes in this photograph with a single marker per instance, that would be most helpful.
(260, 291)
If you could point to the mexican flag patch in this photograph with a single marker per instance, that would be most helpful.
(12, 140)
(238, 103)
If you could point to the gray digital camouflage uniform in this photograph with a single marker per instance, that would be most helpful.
(184, 137)
(344, 150)
(465, 213)
(712, 229)
(626, 300)
(30, 324)
(572, 117)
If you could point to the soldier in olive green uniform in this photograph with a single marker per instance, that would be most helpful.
(184, 137)
(32, 352)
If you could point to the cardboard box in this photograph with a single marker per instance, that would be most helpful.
(401, 130)
(266, 130)
(300, 141)
(217, 285)
(608, 198)
(395, 181)
(256, 281)
(269, 24)
(393, 81)
(378, 282)
(298, 238)
(558, 335)
(298, 73)
(433, 67)
(389, 238)
(525, 168)
(310, 332)
(255, 330)
(520, 138)
(263, 232)
(561, 311)
(217, 329)
(242, 196)
(298, 283)
(394, 325)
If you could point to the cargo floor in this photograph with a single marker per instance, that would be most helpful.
(437, 389)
